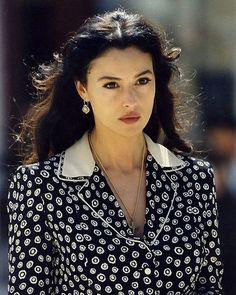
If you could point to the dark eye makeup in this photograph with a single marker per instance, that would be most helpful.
(113, 85)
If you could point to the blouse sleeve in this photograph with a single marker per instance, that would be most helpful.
(210, 278)
(30, 243)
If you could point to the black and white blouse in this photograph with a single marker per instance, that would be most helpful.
(68, 235)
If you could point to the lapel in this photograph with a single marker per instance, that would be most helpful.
(162, 187)
(77, 165)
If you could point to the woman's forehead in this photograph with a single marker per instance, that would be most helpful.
(116, 60)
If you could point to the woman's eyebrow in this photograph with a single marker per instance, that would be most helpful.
(117, 78)
(143, 73)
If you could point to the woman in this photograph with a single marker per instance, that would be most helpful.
(100, 207)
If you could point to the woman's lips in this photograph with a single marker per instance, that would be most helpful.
(130, 118)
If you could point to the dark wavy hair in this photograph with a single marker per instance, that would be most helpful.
(56, 121)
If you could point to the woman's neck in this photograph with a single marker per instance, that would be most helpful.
(116, 152)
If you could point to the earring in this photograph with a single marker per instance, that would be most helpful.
(86, 108)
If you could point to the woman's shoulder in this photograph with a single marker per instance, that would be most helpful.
(191, 160)
(199, 174)
(175, 160)
(43, 168)
(196, 163)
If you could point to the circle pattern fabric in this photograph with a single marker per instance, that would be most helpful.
(71, 237)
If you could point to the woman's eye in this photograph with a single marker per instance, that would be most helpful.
(111, 85)
(143, 81)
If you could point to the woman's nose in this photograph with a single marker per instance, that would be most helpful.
(129, 98)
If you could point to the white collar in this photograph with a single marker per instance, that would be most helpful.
(77, 160)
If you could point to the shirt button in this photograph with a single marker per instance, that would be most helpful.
(147, 271)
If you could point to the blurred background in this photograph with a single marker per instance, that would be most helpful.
(30, 31)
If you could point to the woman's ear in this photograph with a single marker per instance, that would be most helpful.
(81, 89)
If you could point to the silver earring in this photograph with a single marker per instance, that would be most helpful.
(86, 108)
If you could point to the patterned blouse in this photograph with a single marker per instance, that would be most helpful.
(68, 235)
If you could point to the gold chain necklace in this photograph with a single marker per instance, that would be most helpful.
(131, 217)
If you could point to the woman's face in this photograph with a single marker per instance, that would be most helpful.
(121, 89)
